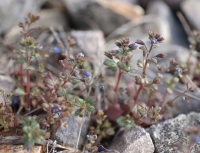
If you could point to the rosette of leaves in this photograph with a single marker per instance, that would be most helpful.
(32, 132)
(85, 107)
(126, 121)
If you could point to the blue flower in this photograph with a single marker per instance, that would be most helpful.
(87, 74)
(178, 70)
(101, 148)
(133, 46)
(59, 113)
(153, 41)
(56, 49)
(41, 47)
(53, 110)
(16, 100)
(196, 139)
(81, 54)
(59, 108)
(102, 87)
(28, 149)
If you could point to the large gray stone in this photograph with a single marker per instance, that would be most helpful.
(14, 11)
(191, 11)
(168, 26)
(68, 130)
(101, 14)
(133, 140)
(170, 132)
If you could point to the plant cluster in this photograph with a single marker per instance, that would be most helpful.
(70, 92)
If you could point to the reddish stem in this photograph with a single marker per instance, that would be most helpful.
(138, 92)
(118, 79)
(146, 62)
(28, 85)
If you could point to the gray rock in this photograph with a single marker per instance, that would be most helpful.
(68, 130)
(191, 11)
(168, 26)
(170, 132)
(12, 11)
(101, 14)
(131, 140)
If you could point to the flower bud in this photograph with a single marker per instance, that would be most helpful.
(156, 80)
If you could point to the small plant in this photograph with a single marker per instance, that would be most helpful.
(32, 132)
(151, 110)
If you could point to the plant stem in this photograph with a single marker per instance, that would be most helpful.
(138, 92)
(179, 96)
(28, 85)
(79, 133)
(118, 79)
(146, 62)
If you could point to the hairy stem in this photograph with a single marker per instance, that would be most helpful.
(28, 85)
(118, 79)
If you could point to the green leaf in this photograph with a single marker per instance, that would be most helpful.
(61, 91)
(90, 101)
(21, 60)
(126, 122)
(154, 60)
(170, 104)
(111, 64)
(89, 108)
(123, 66)
(30, 68)
(19, 91)
(23, 51)
(79, 101)
(75, 81)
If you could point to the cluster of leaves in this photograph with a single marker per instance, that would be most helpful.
(32, 132)
(55, 95)
(151, 110)
(6, 115)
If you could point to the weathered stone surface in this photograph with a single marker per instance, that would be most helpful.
(166, 24)
(170, 132)
(191, 11)
(101, 14)
(19, 149)
(133, 140)
(67, 133)
(11, 11)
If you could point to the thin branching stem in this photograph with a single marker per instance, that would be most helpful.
(79, 133)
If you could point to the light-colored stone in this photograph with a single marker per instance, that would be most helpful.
(68, 130)
(101, 14)
(133, 140)
(170, 132)
(191, 11)
(19, 149)
(12, 11)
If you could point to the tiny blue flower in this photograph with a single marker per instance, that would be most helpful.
(87, 74)
(41, 47)
(53, 110)
(81, 54)
(16, 100)
(59, 108)
(153, 41)
(56, 49)
(133, 46)
(101, 148)
(59, 113)
(88, 137)
(102, 87)
(196, 139)
(28, 149)
(178, 70)
(89, 152)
